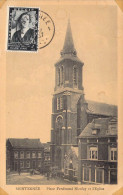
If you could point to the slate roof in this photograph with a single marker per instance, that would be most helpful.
(25, 143)
(102, 126)
(68, 43)
(101, 108)
(69, 51)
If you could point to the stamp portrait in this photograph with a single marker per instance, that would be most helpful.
(23, 29)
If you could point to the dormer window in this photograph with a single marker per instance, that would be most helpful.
(94, 131)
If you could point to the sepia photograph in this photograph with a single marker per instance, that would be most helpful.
(60, 114)
(81, 146)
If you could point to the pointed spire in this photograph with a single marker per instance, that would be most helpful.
(68, 47)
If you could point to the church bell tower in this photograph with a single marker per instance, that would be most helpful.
(67, 92)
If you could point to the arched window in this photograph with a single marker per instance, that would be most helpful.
(75, 75)
(59, 122)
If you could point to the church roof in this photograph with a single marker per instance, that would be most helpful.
(25, 143)
(69, 51)
(68, 43)
(102, 127)
(101, 108)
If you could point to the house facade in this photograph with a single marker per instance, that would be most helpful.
(98, 152)
(24, 154)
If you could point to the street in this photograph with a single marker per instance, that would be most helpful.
(27, 179)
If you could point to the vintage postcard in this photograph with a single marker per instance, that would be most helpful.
(61, 97)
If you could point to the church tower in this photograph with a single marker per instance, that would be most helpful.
(67, 93)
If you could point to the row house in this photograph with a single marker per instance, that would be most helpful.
(24, 154)
(98, 152)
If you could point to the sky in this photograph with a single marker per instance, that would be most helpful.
(30, 77)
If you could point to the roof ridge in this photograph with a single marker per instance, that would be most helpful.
(101, 102)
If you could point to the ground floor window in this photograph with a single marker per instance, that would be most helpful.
(15, 166)
(75, 173)
(99, 175)
(28, 164)
(39, 164)
(33, 164)
(66, 171)
(21, 164)
(86, 174)
(113, 176)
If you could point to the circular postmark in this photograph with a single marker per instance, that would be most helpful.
(46, 30)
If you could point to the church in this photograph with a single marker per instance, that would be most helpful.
(71, 116)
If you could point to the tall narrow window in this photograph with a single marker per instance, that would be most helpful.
(75, 75)
(39, 154)
(28, 164)
(113, 154)
(39, 164)
(61, 102)
(58, 76)
(16, 155)
(21, 154)
(33, 155)
(21, 164)
(93, 153)
(58, 103)
(62, 75)
(27, 154)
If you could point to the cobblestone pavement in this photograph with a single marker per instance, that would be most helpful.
(27, 179)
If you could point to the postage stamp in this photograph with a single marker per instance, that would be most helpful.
(23, 29)
(29, 29)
